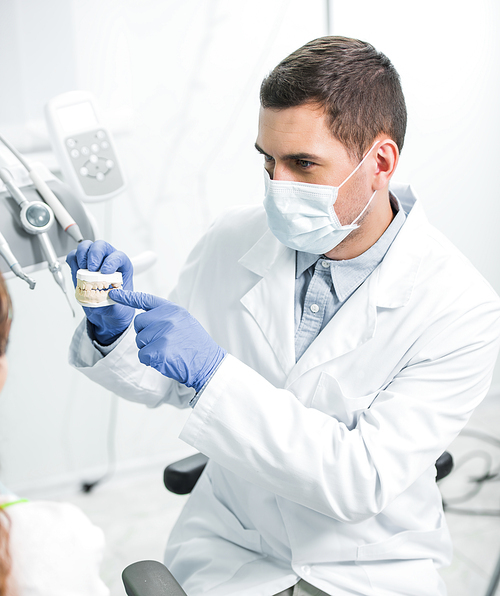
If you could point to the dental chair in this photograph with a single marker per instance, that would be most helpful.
(151, 578)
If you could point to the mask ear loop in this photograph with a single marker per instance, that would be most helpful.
(352, 174)
(359, 165)
(366, 207)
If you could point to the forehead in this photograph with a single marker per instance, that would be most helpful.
(300, 129)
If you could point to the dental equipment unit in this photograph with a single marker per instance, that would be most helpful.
(37, 218)
(67, 223)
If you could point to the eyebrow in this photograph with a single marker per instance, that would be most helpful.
(292, 156)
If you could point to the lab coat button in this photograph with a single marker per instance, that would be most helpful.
(306, 570)
(314, 308)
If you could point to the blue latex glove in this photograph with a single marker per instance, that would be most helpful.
(107, 323)
(171, 340)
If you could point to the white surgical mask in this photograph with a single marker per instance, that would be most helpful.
(302, 215)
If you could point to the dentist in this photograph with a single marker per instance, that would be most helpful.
(331, 345)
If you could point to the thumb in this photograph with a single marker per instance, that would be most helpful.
(136, 299)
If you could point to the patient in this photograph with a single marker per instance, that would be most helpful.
(46, 548)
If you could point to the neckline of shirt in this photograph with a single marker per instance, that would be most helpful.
(348, 274)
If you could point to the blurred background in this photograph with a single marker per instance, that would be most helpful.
(178, 85)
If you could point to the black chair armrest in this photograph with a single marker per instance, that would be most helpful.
(150, 578)
(181, 476)
(444, 465)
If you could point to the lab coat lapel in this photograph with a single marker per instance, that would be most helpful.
(353, 325)
(271, 300)
(389, 286)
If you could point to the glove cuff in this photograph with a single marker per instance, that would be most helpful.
(209, 371)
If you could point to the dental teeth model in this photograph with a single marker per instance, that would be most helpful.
(92, 287)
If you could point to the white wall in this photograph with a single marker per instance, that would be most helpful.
(189, 73)
(448, 55)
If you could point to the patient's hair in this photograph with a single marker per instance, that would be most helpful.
(5, 561)
(5, 315)
(357, 86)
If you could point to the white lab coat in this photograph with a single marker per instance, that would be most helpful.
(326, 463)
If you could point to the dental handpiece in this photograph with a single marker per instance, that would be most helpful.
(67, 223)
(54, 265)
(13, 263)
(37, 218)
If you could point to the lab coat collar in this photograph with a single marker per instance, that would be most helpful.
(271, 300)
(398, 270)
(348, 275)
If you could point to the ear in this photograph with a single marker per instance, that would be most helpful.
(386, 158)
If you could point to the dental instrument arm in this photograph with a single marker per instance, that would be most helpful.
(63, 217)
(37, 218)
(7, 178)
(12, 262)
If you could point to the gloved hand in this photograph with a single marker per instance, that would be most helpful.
(171, 340)
(107, 322)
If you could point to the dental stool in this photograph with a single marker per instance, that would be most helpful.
(151, 578)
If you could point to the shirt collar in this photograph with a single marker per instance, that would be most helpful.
(349, 274)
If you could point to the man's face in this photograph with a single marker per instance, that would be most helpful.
(297, 145)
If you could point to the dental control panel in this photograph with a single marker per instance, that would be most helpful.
(84, 146)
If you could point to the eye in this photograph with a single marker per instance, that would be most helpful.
(304, 164)
(268, 158)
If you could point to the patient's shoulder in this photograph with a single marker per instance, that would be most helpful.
(55, 544)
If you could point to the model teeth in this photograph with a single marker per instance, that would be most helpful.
(94, 291)
(92, 288)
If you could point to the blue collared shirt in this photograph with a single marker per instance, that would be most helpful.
(323, 285)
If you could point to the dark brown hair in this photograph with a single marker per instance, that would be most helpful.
(5, 315)
(358, 87)
(5, 561)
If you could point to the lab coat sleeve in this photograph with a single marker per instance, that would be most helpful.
(267, 436)
(122, 373)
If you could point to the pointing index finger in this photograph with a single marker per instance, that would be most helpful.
(139, 300)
